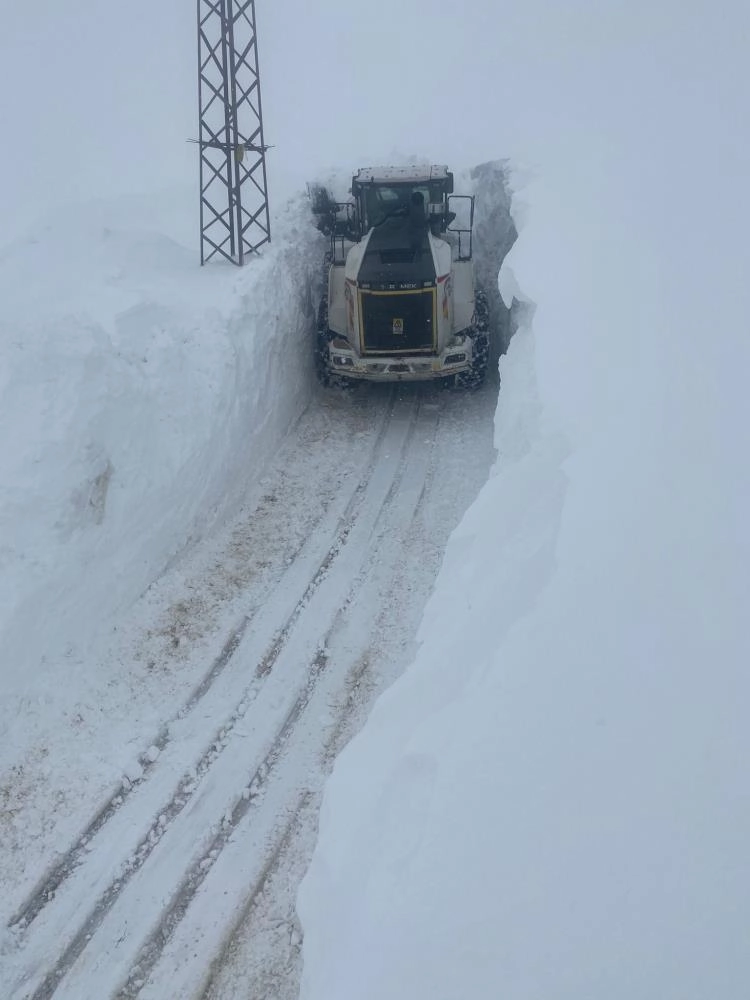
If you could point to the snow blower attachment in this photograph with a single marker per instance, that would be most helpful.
(401, 300)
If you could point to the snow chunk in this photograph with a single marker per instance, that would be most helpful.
(134, 772)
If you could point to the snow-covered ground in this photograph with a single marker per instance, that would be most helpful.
(209, 569)
(554, 801)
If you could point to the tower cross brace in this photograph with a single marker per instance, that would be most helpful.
(234, 216)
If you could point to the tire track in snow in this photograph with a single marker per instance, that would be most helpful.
(140, 974)
(44, 892)
(190, 782)
(51, 881)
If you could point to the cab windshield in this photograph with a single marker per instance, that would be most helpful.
(393, 201)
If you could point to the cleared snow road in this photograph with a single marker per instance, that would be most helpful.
(167, 891)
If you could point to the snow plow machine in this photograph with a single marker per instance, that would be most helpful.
(401, 302)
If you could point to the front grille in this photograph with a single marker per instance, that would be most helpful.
(398, 322)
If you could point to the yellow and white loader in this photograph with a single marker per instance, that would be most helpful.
(401, 301)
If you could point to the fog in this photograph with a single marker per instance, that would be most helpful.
(347, 83)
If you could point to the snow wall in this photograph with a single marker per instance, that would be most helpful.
(554, 801)
(138, 398)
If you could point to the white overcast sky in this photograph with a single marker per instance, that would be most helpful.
(347, 82)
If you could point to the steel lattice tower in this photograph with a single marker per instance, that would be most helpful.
(233, 185)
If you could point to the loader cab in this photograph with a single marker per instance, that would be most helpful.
(394, 198)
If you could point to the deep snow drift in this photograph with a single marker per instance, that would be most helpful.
(135, 400)
(138, 405)
(554, 800)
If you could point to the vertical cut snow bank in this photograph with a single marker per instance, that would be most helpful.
(554, 801)
(138, 394)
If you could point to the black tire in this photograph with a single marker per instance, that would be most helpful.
(323, 335)
(480, 343)
(322, 339)
(322, 370)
